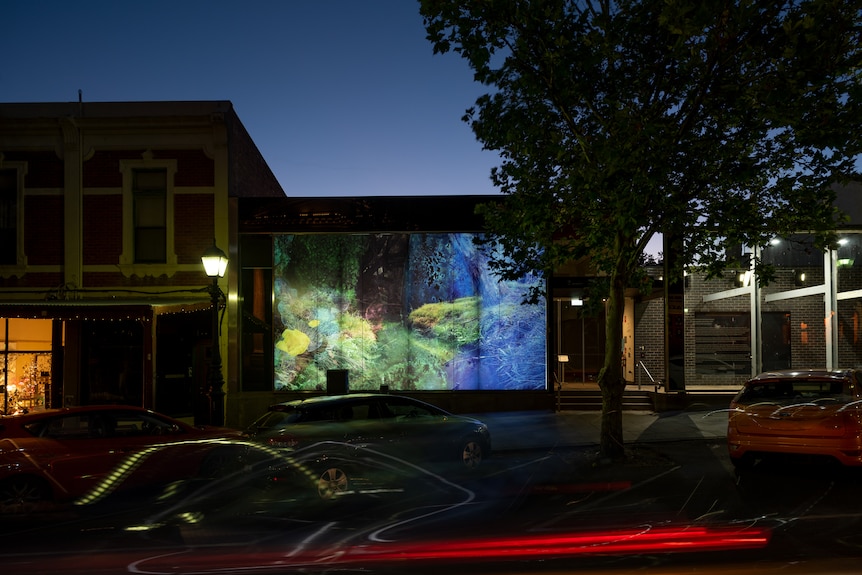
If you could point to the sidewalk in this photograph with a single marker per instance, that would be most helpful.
(545, 429)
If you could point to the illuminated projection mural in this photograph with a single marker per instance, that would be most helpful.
(410, 311)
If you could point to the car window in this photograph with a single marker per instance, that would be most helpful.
(134, 424)
(101, 425)
(402, 408)
(355, 411)
(79, 426)
(795, 391)
(318, 414)
(341, 412)
(377, 410)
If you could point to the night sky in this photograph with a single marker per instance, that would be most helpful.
(342, 97)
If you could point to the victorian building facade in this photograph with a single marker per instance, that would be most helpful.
(105, 211)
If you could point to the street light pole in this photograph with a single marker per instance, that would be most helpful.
(211, 410)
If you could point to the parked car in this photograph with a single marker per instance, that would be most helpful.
(58, 455)
(335, 434)
(811, 412)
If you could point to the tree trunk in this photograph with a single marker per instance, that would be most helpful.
(611, 380)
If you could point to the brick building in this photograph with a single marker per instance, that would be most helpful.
(810, 315)
(105, 211)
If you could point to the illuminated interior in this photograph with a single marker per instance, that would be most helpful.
(25, 364)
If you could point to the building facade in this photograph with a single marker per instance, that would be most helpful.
(387, 293)
(105, 211)
(734, 326)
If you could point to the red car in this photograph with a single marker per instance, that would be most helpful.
(810, 412)
(59, 455)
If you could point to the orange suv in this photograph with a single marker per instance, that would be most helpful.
(811, 412)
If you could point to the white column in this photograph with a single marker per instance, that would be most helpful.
(830, 304)
(756, 320)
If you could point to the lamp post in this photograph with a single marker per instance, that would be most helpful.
(211, 409)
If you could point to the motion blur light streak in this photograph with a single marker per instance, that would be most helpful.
(132, 462)
(618, 542)
(123, 470)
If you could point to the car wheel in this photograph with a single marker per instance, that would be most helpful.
(21, 495)
(471, 453)
(332, 483)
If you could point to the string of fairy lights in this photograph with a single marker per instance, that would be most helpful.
(67, 303)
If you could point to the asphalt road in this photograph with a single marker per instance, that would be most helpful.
(543, 504)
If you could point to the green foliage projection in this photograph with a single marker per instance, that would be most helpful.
(388, 324)
(454, 323)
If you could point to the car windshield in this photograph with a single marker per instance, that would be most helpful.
(791, 390)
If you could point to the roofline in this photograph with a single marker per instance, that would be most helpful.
(167, 108)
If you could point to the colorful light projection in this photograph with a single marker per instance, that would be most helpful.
(409, 311)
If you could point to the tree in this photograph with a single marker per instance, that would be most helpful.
(723, 121)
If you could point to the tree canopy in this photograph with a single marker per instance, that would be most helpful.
(723, 122)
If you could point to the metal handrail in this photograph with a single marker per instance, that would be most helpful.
(656, 383)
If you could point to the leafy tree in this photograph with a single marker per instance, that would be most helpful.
(719, 121)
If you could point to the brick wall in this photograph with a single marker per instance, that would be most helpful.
(649, 341)
(194, 168)
(102, 168)
(807, 327)
(43, 230)
(250, 175)
(103, 229)
(44, 168)
(194, 226)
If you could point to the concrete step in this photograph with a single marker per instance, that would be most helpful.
(591, 400)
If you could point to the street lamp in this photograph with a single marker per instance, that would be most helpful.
(211, 410)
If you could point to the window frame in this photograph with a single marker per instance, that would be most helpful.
(144, 200)
(128, 265)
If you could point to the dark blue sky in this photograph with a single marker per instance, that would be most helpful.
(343, 97)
